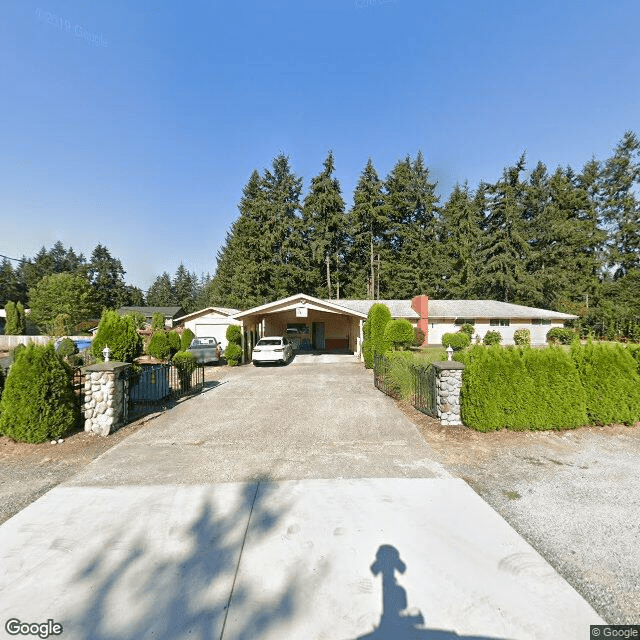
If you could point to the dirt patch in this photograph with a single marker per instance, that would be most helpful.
(28, 471)
(573, 495)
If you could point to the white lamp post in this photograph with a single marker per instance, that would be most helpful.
(106, 352)
(449, 352)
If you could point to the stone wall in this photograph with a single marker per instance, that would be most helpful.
(448, 386)
(105, 397)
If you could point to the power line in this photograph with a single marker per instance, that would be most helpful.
(15, 259)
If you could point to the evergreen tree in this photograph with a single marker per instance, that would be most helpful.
(11, 285)
(508, 251)
(106, 275)
(324, 225)
(461, 240)
(11, 326)
(185, 287)
(621, 208)
(21, 319)
(47, 262)
(367, 224)
(161, 293)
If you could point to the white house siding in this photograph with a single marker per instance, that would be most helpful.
(438, 327)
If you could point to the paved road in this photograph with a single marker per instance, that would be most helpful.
(286, 502)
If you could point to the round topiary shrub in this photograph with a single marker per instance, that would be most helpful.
(399, 333)
(457, 341)
(522, 337)
(38, 402)
(418, 337)
(158, 346)
(492, 337)
(234, 334)
(186, 338)
(185, 362)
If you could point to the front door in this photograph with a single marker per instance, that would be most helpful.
(317, 329)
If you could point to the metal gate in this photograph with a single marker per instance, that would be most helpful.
(424, 384)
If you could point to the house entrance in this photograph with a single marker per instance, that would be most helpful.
(317, 336)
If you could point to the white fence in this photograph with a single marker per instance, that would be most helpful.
(10, 342)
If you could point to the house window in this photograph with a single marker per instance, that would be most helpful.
(461, 321)
(541, 321)
(499, 322)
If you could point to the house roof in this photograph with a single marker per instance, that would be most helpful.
(226, 311)
(490, 309)
(301, 298)
(398, 308)
(169, 312)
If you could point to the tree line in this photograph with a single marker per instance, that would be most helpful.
(560, 239)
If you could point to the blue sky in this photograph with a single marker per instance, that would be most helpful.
(136, 124)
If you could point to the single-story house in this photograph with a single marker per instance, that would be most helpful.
(337, 325)
(170, 313)
(210, 322)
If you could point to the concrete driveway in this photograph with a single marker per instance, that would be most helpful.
(285, 502)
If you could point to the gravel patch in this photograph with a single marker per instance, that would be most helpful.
(573, 495)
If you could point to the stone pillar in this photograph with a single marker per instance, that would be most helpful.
(106, 393)
(448, 386)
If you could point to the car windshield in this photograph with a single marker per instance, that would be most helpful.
(276, 342)
(203, 342)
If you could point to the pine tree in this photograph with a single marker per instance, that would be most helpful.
(621, 208)
(324, 224)
(367, 224)
(508, 251)
(106, 275)
(161, 293)
(461, 240)
(185, 287)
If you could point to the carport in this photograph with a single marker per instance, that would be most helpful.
(312, 324)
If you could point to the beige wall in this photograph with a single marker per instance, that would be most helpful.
(437, 328)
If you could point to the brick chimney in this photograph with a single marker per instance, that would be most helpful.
(420, 304)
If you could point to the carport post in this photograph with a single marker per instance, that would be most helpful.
(360, 349)
(242, 341)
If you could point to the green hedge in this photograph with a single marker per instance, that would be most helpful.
(379, 317)
(120, 335)
(173, 338)
(560, 335)
(609, 375)
(492, 337)
(185, 362)
(457, 341)
(38, 402)
(367, 345)
(159, 346)
(521, 389)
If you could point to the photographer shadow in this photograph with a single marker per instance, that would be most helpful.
(397, 622)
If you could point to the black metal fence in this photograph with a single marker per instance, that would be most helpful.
(424, 389)
(423, 379)
(157, 385)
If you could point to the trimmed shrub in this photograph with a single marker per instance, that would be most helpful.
(157, 321)
(139, 319)
(399, 333)
(1, 381)
(560, 335)
(158, 346)
(521, 389)
(367, 345)
(467, 327)
(185, 362)
(174, 341)
(492, 337)
(634, 350)
(233, 352)
(38, 402)
(418, 337)
(67, 347)
(610, 378)
(186, 338)
(120, 335)
(379, 317)
(522, 337)
(11, 324)
(399, 375)
(457, 341)
(16, 351)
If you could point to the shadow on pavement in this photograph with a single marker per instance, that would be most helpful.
(397, 622)
(180, 584)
